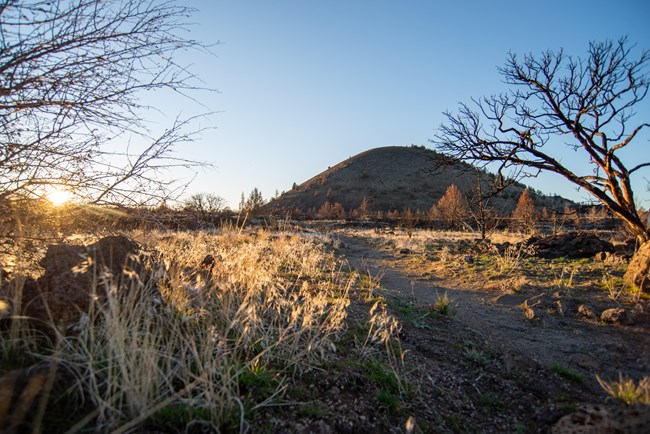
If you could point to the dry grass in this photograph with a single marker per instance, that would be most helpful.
(627, 390)
(216, 343)
(499, 266)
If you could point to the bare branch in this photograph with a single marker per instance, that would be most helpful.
(557, 101)
(71, 76)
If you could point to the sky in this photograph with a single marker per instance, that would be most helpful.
(303, 85)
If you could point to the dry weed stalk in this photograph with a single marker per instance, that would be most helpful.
(384, 330)
(511, 257)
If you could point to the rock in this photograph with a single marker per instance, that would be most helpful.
(600, 419)
(569, 245)
(614, 315)
(74, 274)
(586, 311)
(638, 272)
(334, 391)
(208, 262)
(510, 299)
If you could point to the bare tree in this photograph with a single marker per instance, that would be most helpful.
(559, 101)
(71, 76)
(205, 203)
(408, 220)
(480, 204)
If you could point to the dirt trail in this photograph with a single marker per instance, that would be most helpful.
(499, 320)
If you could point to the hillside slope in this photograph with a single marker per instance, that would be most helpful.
(394, 178)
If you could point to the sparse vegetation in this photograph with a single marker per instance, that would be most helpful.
(627, 390)
(227, 328)
(567, 373)
(442, 305)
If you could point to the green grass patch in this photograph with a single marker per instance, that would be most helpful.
(389, 400)
(567, 373)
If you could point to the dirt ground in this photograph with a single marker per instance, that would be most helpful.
(487, 366)
(502, 357)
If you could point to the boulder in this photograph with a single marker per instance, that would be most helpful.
(75, 274)
(569, 245)
(596, 419)
(638, 271)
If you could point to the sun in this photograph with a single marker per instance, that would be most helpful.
(59, 196)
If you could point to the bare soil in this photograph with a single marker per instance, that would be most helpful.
(484, 367)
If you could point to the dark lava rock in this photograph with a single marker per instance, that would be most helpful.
(75, 274)
(569, 245)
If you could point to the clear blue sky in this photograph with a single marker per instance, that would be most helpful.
(305, 84)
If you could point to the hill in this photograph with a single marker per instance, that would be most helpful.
(394, 178)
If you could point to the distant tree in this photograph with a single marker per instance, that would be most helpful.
(242, 203)
(363, 210)
(254, 202)
(408, 220)
(393, 216)
(337, 211)
(434, 213)
(205, 204)
(526, 214)
(584, 105)
(480, 205)
(325, 210)
(453, 207)
(570, 216)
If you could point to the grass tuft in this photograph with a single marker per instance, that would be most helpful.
(626, 390)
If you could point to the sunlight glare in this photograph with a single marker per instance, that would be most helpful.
(59, 196)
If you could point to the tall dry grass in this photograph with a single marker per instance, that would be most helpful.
(188, 339)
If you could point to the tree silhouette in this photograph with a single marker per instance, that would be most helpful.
(584, 105)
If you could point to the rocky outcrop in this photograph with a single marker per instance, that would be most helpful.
(76, 274)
